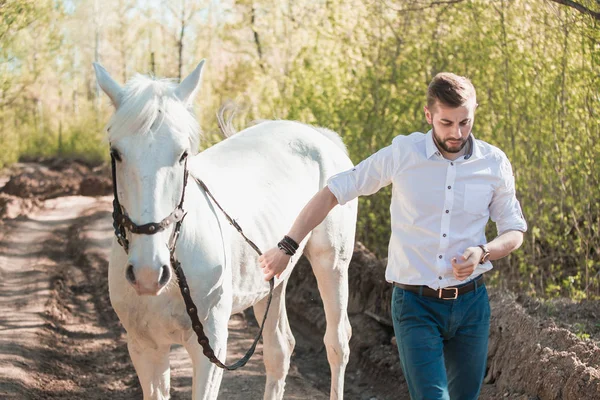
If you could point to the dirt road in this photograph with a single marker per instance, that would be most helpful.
(28, 253)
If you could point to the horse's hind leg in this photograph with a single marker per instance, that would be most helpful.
(329, 250)
(152, 368)
(278, 342)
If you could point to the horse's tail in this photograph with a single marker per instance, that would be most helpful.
(226, 124)
(334, 137)
(227, 129)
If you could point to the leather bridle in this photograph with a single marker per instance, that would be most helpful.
(122, 223)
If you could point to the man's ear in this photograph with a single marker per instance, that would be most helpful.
(428, 115)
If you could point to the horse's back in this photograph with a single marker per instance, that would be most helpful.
(274, 161)
(274, 143)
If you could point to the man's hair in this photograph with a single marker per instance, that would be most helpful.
(450, 89)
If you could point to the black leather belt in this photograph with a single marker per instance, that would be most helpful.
(449, 293)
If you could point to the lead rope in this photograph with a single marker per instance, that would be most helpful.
(191, 308)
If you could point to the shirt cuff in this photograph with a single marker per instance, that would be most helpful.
(343, 186)
(516, 223)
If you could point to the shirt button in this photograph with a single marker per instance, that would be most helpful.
(451, 163)
(437, 153)
(449, 187)
(444, 235)
(440, 278)
(440, 256)
(447, 211)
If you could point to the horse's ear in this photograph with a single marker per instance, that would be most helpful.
(187, 89)
(108, 85)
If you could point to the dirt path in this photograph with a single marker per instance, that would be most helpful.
(26, 266)
(59, 337)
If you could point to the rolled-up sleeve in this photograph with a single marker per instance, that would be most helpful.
(505, 209)
(366, 178)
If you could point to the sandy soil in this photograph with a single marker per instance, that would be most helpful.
(30, 253)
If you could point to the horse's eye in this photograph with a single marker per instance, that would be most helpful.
(183, 156)
(115, 154)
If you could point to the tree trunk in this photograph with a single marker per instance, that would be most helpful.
(180, 43)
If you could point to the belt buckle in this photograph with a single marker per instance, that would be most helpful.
(441, 291)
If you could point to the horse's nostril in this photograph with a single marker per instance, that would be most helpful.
(165, 275)
(129, 274)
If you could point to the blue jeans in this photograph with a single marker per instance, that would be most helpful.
(442, 343)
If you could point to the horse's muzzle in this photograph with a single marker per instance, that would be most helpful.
(148, 281)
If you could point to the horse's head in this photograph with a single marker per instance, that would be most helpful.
(151, 134)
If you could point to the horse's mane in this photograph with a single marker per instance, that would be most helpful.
(147, 103)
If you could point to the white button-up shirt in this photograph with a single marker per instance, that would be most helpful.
(439, 207)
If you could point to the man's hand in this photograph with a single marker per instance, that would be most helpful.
(466, 264)
(273, 262)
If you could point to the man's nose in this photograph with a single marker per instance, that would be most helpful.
(456, 132)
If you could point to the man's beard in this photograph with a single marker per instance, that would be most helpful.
(444, 146)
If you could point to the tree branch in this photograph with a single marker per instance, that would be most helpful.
(579, 7)
(256, 38)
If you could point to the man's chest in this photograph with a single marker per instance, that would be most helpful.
(451, 189)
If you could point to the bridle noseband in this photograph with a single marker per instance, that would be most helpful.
(122, 223)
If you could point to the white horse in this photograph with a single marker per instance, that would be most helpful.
(262, 176)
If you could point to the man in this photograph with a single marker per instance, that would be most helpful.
(446, 185)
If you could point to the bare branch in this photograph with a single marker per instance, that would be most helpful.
(180, 41)
(256, 38)
(579, 7)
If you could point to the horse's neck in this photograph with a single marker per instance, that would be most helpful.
(204, 240)
(215, 250)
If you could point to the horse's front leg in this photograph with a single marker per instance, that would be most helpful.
(207, 376)
(152, 367)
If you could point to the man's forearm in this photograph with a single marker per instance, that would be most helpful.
(312, 214)
(505, 244)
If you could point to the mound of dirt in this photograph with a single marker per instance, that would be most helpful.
(579, 317)
(39, 181)
(537, 357)
(95, 186)
(51, 178)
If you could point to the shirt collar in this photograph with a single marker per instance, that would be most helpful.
(431, 148)
(474, 151)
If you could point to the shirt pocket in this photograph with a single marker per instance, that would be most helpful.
(477, 198)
